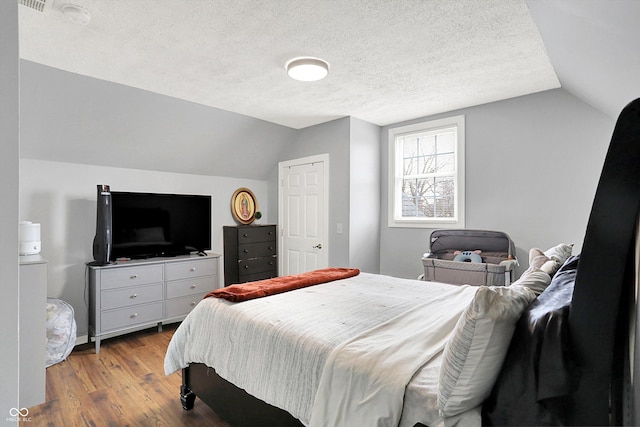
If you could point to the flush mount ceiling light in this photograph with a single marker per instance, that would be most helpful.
(76, 13)
(307, 69)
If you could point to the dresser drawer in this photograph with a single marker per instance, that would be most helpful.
(192, 268)
(256, 234)
(256, 250)
(124, 297)
(181, 288)
(131, 276)
(131, 316)
(244, 278)
(182, 306)
(257, 265)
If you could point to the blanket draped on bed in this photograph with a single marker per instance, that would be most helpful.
(263, 288)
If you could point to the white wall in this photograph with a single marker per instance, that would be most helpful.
(9, 155)
(532, 166)
(62, 198)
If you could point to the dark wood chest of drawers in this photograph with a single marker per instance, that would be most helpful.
(250, 253)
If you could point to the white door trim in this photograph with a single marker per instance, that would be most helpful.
(324, 158)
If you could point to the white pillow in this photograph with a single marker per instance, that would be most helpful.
(559, 253)
(537, 259)
(535, 279)
(475, 351)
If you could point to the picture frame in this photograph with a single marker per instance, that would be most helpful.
(244, 205)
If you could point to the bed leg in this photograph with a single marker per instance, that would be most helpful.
(187, 398)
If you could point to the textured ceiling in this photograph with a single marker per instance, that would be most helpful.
(390, 60)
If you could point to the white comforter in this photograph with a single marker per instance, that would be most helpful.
(276, 348)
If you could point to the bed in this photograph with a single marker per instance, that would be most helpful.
(554, 348)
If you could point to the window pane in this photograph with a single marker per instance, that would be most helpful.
(409, 166)
(446, 142)
(426, 164)
(444, 197)
(408, 147)
(426, 144)
(428, 197)
(445, 163)
(414, 197)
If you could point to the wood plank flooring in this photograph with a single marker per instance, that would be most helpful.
(124, 385)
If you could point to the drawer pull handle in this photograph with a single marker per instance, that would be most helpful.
(244, 235)
(135, 276)
(192, 269)
(246, 251)
(134, 315)
(134, 296)
(193, 286)
(271, 233)
(246, 267)
(193, 303)
(270, 248)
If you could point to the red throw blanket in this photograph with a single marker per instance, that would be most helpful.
(263, 288)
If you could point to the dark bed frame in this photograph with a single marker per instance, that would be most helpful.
(230, 403)
(598, 319)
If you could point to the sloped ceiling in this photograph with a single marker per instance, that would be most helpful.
(390, 60)
(594, 48)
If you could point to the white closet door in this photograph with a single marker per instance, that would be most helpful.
(303, 213)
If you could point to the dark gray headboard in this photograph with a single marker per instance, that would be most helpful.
(605, 281)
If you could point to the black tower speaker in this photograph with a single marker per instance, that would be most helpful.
(102, 240)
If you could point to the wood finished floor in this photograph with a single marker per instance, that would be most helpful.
(124, 385)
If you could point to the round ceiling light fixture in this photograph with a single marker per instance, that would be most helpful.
(307, 69)
(76, 13)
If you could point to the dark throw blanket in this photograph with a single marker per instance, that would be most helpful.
(537, 373)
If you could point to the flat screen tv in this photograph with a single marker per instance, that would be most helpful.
(146, 225)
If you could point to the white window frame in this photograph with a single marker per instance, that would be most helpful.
(395, 218)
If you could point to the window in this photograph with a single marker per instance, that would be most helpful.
(426, 174)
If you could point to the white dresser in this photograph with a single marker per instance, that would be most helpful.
(33, 330)
(130, 295)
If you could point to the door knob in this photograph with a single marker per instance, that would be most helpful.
(318, 246)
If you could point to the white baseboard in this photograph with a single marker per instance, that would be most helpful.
(82, 339)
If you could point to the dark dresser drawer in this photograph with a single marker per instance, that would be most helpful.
(257, 265)
(256, 250)
(254, 233)
(263, 275)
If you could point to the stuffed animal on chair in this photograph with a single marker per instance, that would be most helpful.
(468, 256)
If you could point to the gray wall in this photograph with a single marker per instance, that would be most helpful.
(332, 138)
(364, 205)
(68, 117)
(9, 160)
(532, 166)
(352, 145)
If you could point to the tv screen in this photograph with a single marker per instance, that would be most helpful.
(146, 225)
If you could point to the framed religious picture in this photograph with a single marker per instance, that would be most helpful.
(244, 205)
